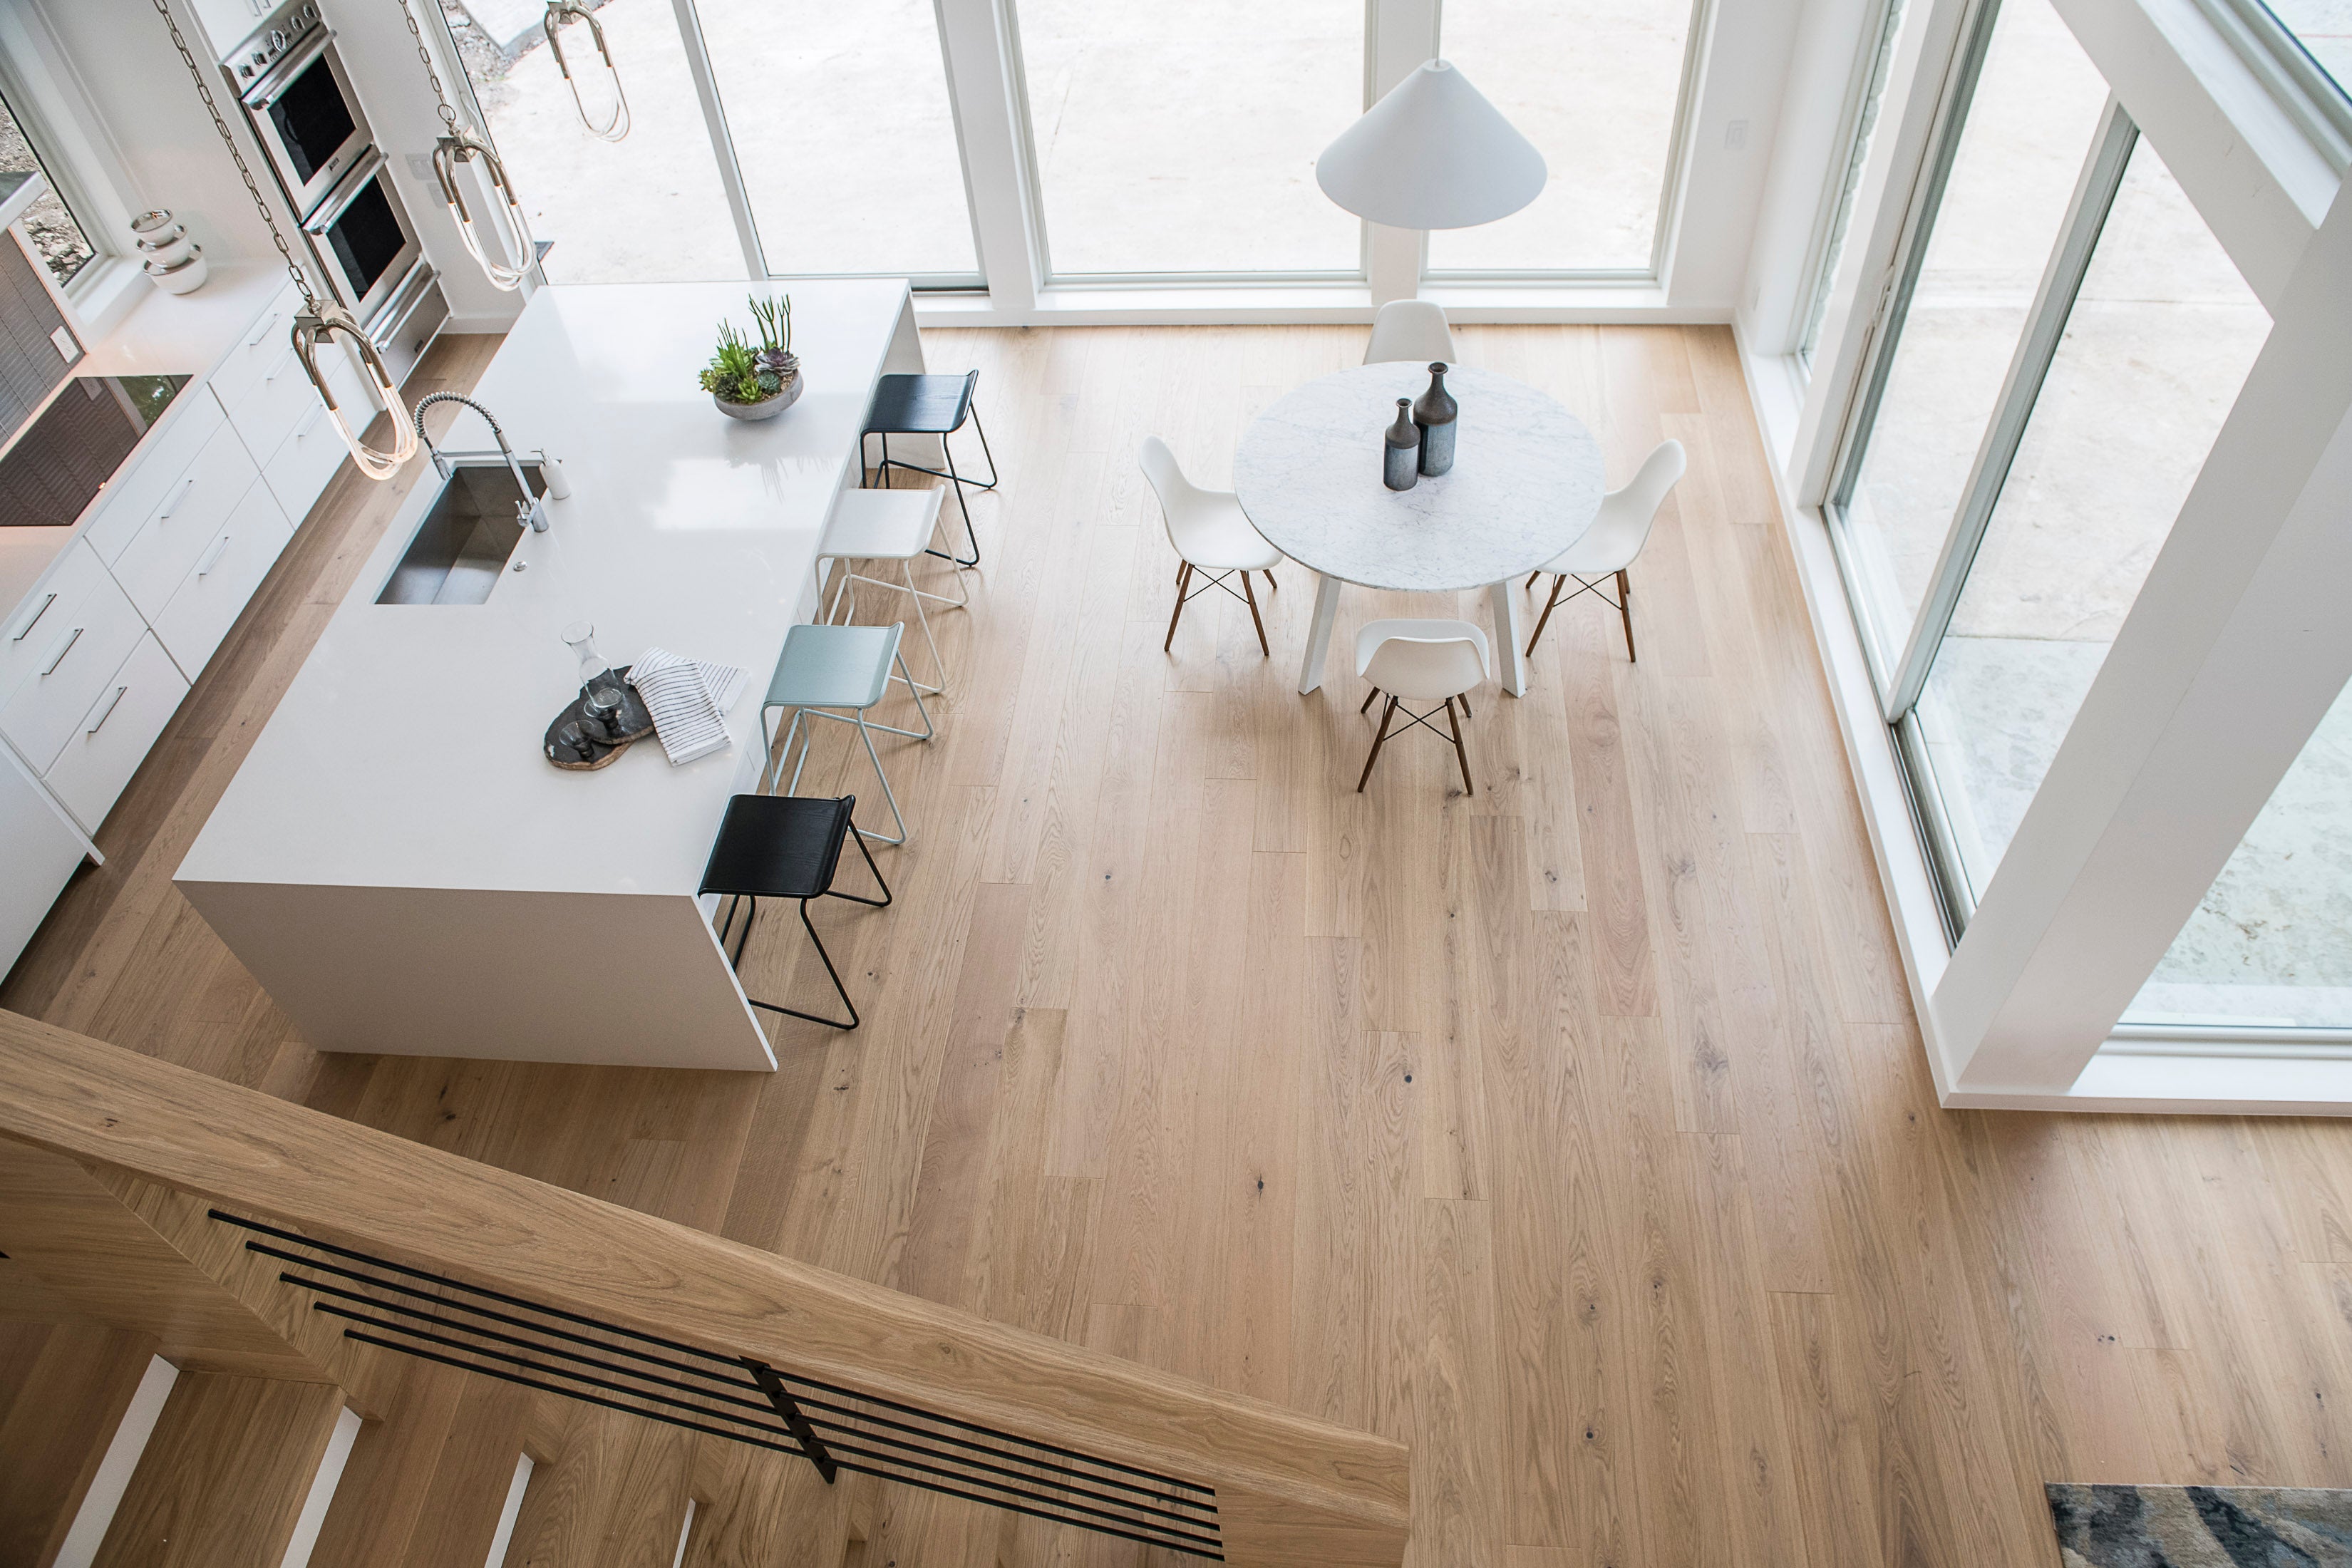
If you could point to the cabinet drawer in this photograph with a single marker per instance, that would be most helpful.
(132, 496)
(274, 402)
(42, 617)
(154, 565)
(311, 452)
(76, 657)
(257, 350)
(112, 737)
(221, 581)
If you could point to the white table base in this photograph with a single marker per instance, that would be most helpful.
(1510, 668)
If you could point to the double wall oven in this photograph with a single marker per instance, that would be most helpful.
(308, 121)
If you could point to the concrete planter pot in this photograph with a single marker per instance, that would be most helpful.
(766, 408)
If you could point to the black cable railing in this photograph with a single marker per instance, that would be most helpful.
(436, 1318)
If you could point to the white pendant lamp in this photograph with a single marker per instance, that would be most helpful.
(1433, 153)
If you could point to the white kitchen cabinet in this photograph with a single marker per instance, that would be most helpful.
(38, 851)
(76, 657)
(223, 579)
(111, 737)
(156, 561)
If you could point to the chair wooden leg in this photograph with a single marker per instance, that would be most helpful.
(1184, 576)
(1270, 582)
(1255, 619)
(1465, 707)
(1460, 755)
(1375, 692)
(1378, 742)
(1550, 604)
(1531, 578)
(1625, 608)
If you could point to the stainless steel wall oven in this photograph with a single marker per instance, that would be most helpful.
(307, 117)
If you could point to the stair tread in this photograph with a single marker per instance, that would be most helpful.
(63, 1391)
(225, 1475)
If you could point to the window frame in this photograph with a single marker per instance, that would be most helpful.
(50, 113)
(1016, 72)
(1874, 65)
(2319, 106)
(1697, 33)
(1899, 673)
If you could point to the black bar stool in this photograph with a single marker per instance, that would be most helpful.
(928, 405)
(786, 847)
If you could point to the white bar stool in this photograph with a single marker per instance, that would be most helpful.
(848, 667)
(888, 525)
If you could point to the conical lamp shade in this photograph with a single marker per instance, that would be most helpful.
(1433, 153)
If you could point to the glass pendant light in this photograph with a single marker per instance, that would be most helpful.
(558, 13)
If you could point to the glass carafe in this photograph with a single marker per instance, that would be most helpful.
(597, 681)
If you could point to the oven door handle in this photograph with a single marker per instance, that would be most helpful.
(339, 199)
(273, 86)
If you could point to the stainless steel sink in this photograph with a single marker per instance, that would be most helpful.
(458, 551)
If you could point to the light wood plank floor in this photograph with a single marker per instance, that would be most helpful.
(1577, 1133)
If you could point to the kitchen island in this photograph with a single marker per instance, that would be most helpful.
(397, 861)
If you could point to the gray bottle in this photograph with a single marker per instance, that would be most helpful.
(1400, 466)
(1435, 413)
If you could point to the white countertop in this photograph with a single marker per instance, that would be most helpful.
(406, 754)
(1525, 485)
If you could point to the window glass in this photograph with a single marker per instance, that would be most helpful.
(2271, 943)
(1865, 125)
(649, 208)
(2030, 126)
(841, 122)
(2158, 341)
(1595, 85)
(2324, 27)
(1182, 139)
(50, 226)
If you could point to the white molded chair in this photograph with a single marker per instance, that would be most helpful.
(1411, 330)
(1210, 533)
(1420, 661)
(1615, 538)
(888, 525)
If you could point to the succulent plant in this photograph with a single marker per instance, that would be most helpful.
(738, 372)
(775, 322)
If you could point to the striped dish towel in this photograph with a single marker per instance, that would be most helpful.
(689, 701)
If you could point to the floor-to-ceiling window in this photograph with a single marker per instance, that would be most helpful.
(842, 127)
(649, 208)
(1181, 140)
(2064, 344)
(1597, 86)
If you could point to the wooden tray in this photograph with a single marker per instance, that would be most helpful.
(636, 724)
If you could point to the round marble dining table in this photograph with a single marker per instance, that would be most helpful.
(1526, 483)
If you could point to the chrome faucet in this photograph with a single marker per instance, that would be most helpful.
(531, 510)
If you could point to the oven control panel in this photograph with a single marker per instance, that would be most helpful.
(286, 31)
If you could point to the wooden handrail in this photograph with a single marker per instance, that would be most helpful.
(1291, 1490)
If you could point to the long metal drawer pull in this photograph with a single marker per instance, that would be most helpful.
(174, 504)
(63, 648)
(212, 556)
(283, 360)
(263, 330)
(26, 629)
(102, 718)
(304, 428)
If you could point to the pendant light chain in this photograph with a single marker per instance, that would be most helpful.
(318, 318)
(431, 72)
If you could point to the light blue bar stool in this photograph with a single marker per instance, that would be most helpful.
(827, 667)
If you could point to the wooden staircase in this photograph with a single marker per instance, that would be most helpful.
(123, 1186)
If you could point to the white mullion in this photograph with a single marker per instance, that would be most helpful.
(980, 40)
(723, 142)
(2037, 346)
